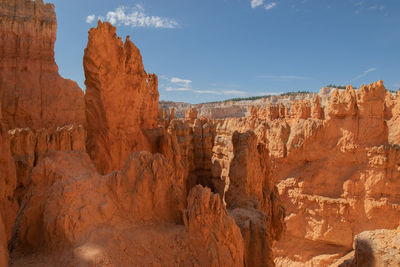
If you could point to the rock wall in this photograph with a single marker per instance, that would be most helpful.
(29, 147)
(241, 175)
(121, 98)
(32, 92)
(343, 176)
(8, 183)
(128, 218)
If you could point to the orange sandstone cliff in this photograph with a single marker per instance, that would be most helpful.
(121, 98)
(8, 203)
(33, 94)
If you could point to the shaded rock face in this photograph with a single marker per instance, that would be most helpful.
(195, 141)
(241, 176)
(8, 203)
(29, 147)
(128, 218)
(32, 92)
(121, 98)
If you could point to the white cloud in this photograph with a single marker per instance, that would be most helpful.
(184, 85)
(270, 6)
(90, 19)
(361, 75)
(256, 3)
(135, 17)
(180, 81)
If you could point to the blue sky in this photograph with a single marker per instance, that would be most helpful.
(217, 49)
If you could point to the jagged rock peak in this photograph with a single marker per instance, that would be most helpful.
(121, 98)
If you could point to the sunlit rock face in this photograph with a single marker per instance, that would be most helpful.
(340, 180)
(121, 98)
(32, 92)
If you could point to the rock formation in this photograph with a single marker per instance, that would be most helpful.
(376, 248)
(29, 147)
(73, 216)
(121, 98)
(241, 176)
(33, 94)
(8, 203)
(128, 183)
(191, 114)
(342, 176)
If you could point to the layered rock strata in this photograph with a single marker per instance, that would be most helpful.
(339, 179)
(8, 203)
(29, 147)
(32, 92)
(74, 216)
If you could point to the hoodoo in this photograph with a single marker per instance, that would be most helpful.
(121, 98)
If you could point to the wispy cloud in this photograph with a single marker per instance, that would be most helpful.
(285, 77)
(359, 76)
(376, 7)
(267, 6)
(169, 89)
(182, 82)
(185, 85)
(256, 3)
(90, 19)
(270, 6)
(135, 17)
(366, 6)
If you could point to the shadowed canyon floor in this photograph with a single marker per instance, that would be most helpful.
(110, 178)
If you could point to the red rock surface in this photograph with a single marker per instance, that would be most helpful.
(29, 147)
(33, 94)
(340, 181)
(241, 174)
(8, 203)
(74, 216)
(121, 98)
